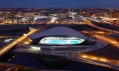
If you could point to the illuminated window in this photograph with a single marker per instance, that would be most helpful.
(61, 40)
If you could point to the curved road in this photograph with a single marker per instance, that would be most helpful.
(95, 26)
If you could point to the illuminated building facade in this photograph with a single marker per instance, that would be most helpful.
(59, 34)
(63, 39)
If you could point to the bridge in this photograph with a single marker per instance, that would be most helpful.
(20, 39)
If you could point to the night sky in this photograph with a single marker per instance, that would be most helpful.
(59, 3)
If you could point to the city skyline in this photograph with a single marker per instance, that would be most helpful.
(60, 4)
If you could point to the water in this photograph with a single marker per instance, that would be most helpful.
(31, 61)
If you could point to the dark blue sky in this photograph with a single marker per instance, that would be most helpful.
(59, 3)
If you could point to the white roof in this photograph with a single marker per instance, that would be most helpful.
(58, 31)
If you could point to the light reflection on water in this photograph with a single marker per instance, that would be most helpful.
(25, 60)
(33, 62)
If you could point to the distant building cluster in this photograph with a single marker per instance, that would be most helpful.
(54, 16)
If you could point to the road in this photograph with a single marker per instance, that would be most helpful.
(97, 61)
(108, 40)
(95, 26)
(102, 36)
(9, 46)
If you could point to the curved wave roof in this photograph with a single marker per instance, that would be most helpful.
(58, 31)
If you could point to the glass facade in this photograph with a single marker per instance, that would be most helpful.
(61, 40)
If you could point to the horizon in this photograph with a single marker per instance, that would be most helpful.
(60, 4)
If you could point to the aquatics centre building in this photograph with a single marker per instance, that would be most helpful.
(64, 39)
